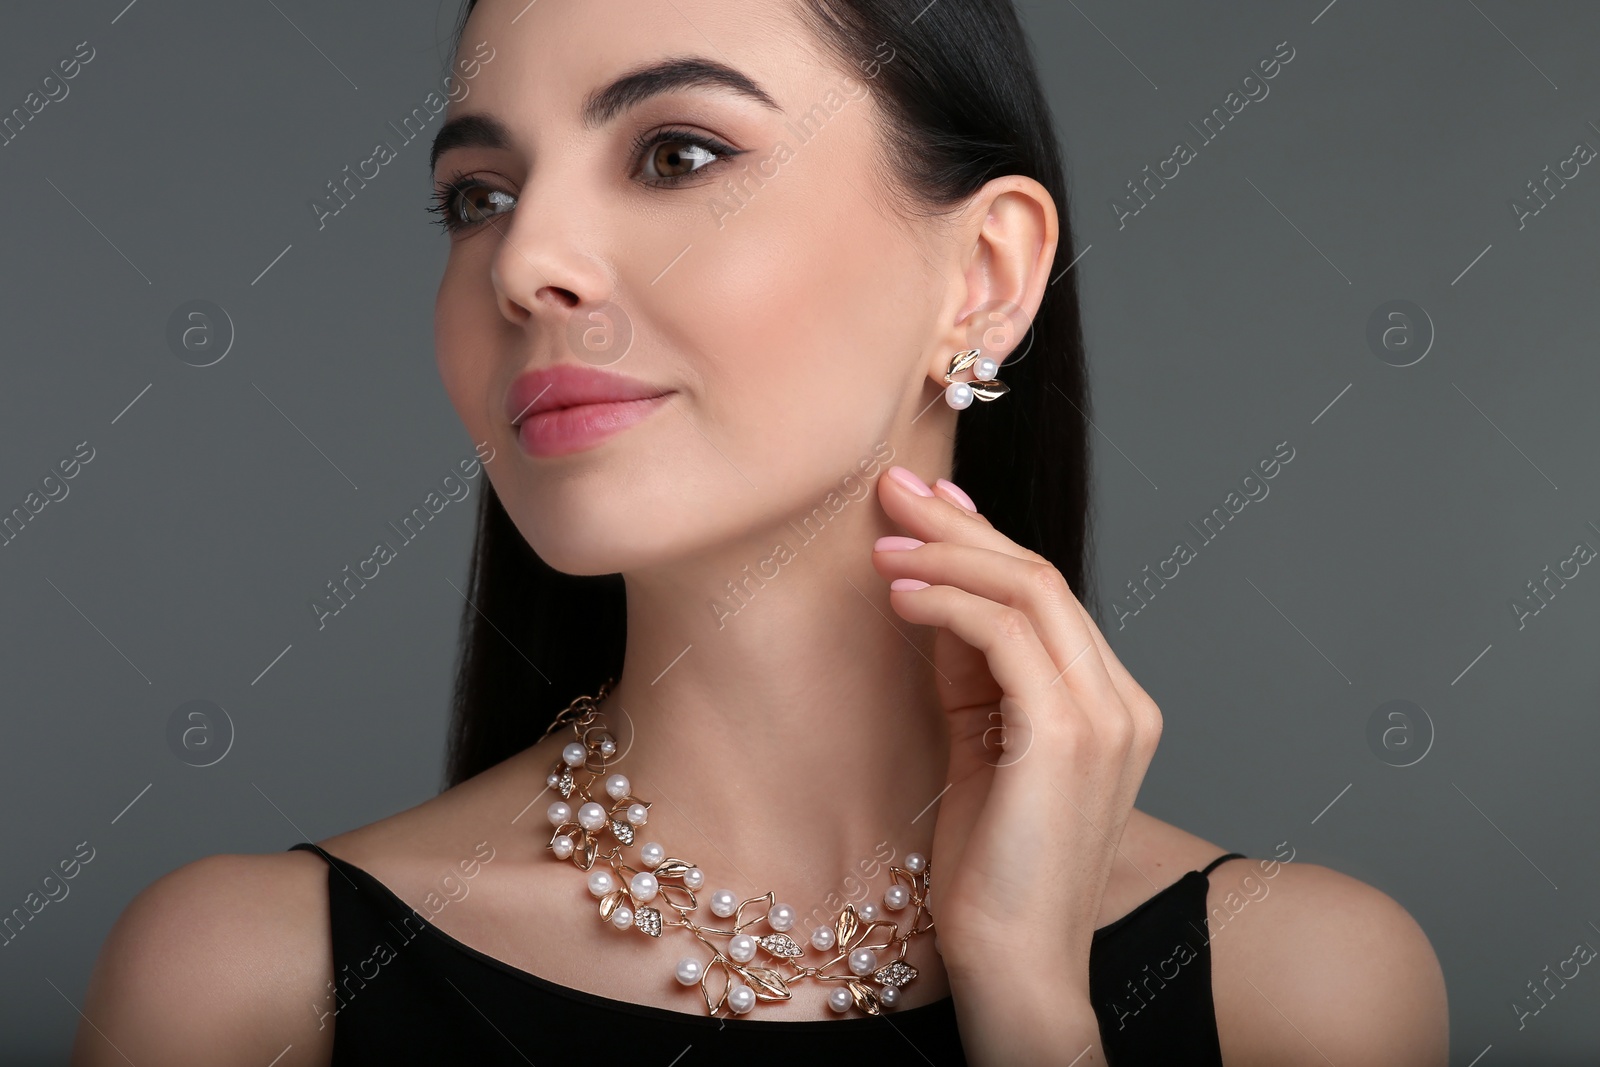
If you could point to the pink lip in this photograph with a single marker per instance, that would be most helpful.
(560, 431)
(566, 408)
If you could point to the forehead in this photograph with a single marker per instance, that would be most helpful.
(551, 56)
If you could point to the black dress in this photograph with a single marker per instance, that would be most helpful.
(407, 992)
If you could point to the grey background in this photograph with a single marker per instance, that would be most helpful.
(1224, 318)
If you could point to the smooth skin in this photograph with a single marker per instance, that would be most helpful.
(789, 733)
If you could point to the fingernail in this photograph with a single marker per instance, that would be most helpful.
(910, 481)
(956, 491)
(895, 543)
(903, 585)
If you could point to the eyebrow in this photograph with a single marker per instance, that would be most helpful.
(604, 104)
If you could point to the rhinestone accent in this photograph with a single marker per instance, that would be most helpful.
(648, 920)
(622, 831)
(565, 784)
(780, 945)
(896, 974)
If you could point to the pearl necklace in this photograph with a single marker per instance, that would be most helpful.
(661, 892)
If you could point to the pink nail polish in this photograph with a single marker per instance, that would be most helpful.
(956, 491)
(895, 543)
(903, 585)
(910, 481)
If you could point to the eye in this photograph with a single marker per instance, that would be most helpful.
(462, 202)
(669, 157)
(673, 155)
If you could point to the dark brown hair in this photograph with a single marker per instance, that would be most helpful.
(964, 105)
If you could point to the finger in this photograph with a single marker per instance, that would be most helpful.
(1133, 694)
(1147, 725)
(1004, 634)
(1038, 590)
(948, 490)
(1141, 709)
(937, 518)
(1120, 712)
(1064, 744)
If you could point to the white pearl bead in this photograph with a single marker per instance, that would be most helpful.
(916, 862)
(562, 846)
(724, 903)
(822, 938)
(840, 999)
(985, 369)
(591, 816)
(694, 878)
(863, 961)
(552, 781)
(741, 998)
(601, 882)
(689, 970)
(622, 918)
(888, 996)
(638, 814)
(644, 887)
(558, 813)
(868, 912)
(780, 917)
(896, 897)
(608, 748)
(958, 395)
(652, 854)
(574, 754)
(741, 948)
(618, 786)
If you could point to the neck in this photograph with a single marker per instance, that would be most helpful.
(785, 722)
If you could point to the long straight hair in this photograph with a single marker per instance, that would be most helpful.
(963, 104)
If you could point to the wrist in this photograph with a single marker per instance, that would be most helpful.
(1023, 1018)
(1020, 987)
(1020, 991)
(1038, 979)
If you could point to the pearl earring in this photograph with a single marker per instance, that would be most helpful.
(960, 395)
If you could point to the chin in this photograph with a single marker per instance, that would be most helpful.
(589, 537)
(629, 510)
(586, 558)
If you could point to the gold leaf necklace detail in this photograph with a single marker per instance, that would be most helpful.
(660, 892)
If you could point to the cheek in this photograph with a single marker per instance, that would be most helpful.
(459, 331)
(799, 336)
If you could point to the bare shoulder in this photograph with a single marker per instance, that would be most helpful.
(221, 960)
(1310, 966)
(405, 851)
(1151, 855)
(229, 957)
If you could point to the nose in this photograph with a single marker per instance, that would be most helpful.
(542, 269)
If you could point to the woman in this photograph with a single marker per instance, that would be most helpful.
(724, 280)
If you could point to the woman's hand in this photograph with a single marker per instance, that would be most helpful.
(1050, 738)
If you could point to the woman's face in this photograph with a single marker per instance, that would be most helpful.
(739, 257)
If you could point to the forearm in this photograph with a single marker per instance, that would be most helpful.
(1015, 1019)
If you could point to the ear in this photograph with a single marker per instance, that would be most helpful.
(1008, 235)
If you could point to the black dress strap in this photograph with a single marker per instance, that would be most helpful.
(336, 866)
(1219, 859)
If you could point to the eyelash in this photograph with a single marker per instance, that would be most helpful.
(444, 202)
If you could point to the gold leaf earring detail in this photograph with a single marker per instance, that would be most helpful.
(959, 395)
